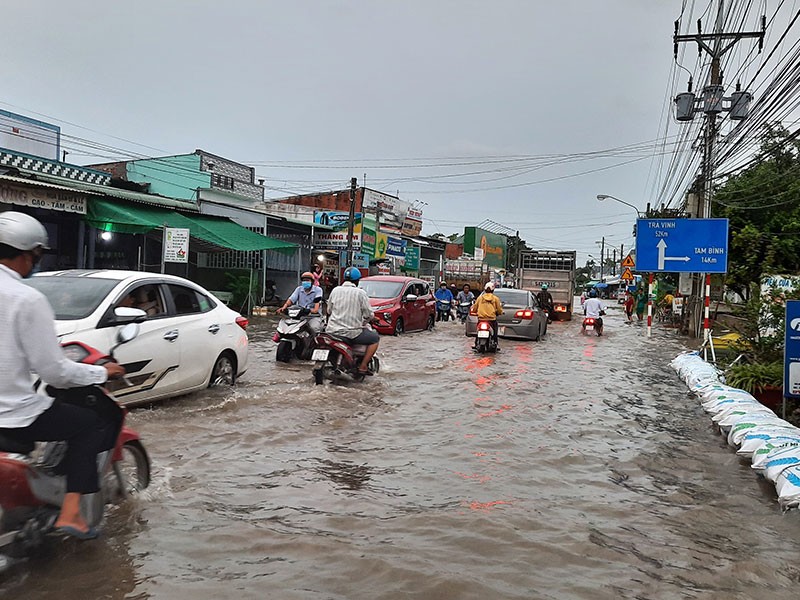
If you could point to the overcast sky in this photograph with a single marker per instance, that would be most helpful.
(296, 88)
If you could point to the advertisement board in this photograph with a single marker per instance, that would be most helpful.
(338, 219)
(396, 247)
(47, 198)
(493, 246)
(335, 240)
(176, 245)
(413, 223)
(412, 258)
(391, 210)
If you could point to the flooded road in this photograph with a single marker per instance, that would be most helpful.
(576, 467)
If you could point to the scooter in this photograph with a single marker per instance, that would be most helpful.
(592, 325)
(32, 483)
(294, 336)
(443, 310)
(485, 341)
(336, 360)
(462, 311)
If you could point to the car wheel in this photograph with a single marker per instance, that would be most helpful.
(399, 326)
(431, 323)
(538, 334)
(224, 371)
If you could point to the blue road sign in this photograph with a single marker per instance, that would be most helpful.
(682, 245)
(791, 350)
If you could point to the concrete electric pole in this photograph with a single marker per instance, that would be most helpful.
(713, 100)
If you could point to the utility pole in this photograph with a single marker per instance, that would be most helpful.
(602, 257)
(715, 44)
(614, 264)
(351, 222)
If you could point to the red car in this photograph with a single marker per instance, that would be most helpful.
(400, 303)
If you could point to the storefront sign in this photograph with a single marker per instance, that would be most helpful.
(396, 247)
(47, 198)
(381, 245)
(337, 219)
(335, 240)
(176, 245)
(412, 258)
(360, 260)
(368, 236)
(391, 211)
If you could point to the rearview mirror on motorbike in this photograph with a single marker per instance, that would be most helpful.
(125, 314)
(128, 332)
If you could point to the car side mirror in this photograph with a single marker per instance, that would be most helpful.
(126, 314)
(410, 298)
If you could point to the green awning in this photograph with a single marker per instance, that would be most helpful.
(218, 231)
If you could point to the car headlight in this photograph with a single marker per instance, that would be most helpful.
(383, 306)
(387, 316)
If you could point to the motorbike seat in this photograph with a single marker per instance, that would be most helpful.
(357, 349)
(15, 447)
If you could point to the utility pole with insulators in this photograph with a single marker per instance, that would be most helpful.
(712, 102)
(351, 221)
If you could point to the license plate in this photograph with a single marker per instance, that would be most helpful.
(320, 354)
(483, 334)
(501, 330)
(590, 328)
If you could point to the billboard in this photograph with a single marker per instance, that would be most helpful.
(491, 246)
(391, 210)
(338, 219)
(22, 134)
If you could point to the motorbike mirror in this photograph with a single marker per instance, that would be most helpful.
(128, 332)
(127, 314)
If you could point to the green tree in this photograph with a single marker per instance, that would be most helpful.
(762, 203)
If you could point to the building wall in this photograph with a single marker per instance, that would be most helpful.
(171, 176)
(230, 176)
(338, 200)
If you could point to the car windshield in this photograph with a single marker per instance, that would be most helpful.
(381, 289)
(73, 297)
(513, 298)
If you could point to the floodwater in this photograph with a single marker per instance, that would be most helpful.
(576, 467)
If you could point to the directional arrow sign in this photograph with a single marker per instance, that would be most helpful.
(682, 245)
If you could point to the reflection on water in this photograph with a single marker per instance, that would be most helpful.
(571, 468)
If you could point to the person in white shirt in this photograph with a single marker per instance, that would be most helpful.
(29, 344)
(349, 309)
(595, 309)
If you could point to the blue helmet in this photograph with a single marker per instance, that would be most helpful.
(352, 274)
(592, 293)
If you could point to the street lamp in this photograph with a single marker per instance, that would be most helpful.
(602, 197)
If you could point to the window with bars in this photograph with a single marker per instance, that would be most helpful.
(221, 181)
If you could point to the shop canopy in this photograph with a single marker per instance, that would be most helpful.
(216, 231)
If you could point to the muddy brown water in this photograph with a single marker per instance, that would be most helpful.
(576, 467)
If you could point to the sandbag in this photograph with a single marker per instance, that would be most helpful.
(787, 485)
(779, 461)
(744, 424)
(756, 442)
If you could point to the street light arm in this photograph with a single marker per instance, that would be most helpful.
(602, 197)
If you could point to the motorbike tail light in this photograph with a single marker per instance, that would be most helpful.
(560, 308)
(524, 314)
(242, 322)
(484, 326)
(590, 321)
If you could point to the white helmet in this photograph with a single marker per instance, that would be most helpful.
(22, 231)
(489, 287)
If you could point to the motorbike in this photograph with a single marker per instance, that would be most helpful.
(443, 309)
(462, 311)
(294, 335)
(32, 482)
(592, 324)
(336, 360)
(485, 341)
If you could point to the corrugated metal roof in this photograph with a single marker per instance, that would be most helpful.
(112, 192)
(34, 182)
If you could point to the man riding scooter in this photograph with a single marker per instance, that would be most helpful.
(444, 302)
(488, 308)
(464, 301)
(307, 295)
(595, 310)
(546, 302)
(29, 343)
(349, 308)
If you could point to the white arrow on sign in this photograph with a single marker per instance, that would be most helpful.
(662, 257)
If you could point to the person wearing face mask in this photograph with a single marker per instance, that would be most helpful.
(29, 344)
(307, 295)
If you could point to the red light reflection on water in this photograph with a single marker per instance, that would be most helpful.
(487, 506)
(474, 476)
(503, 408)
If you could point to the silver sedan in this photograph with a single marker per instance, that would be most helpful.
(522, 318)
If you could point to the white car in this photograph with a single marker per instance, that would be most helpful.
(189, 340)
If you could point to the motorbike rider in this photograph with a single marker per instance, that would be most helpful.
(465, 295)
(29, 343)
(349, 308)
(595, 310)
(488, 307)
(307, 295)
(546, 301)
(444, 297)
